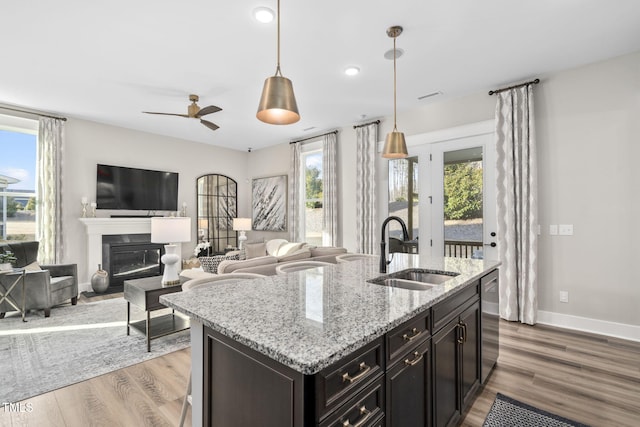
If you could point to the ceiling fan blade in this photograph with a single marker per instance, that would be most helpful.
(208, 110)
(210, 125)
(166, 114)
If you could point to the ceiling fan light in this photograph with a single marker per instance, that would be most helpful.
(395, 146)
(278, 103)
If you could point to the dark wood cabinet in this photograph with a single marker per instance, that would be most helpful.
(409, 388)
(456, 363)
(422, 373)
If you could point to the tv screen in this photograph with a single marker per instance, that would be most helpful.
(136, 189)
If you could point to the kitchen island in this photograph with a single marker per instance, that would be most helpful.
(319, 347)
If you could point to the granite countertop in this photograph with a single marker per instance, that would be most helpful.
(310, 319)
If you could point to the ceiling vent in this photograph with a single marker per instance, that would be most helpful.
(430, 95)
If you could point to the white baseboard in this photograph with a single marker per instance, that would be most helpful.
(602, 327)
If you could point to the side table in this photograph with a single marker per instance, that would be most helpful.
(145, 294)
(5, 296)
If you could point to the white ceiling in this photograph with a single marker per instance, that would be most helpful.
(109, 61)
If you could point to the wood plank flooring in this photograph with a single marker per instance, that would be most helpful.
(588, 378)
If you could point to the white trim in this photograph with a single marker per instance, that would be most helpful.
(595, 326)
(442, 135)
(18, 124)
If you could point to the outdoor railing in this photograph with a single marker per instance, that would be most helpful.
(462, 248)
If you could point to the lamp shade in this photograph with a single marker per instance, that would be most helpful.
(278, 103)
(241, 224)
(395, 146)
(170, 229)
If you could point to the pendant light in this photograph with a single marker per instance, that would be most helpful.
(278, 103)
(395, 146)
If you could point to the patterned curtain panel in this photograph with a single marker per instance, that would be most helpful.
(49, 190)
(367, 139)
(517, 197)
(329, 191)
(294, 193)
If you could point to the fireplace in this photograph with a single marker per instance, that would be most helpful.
(130, 256)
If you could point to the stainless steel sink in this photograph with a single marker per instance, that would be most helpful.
(415, 279)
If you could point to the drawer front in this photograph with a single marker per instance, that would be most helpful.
(365, 409)
(342, 380)
(448, 309)
(153, 297)
(407, 335)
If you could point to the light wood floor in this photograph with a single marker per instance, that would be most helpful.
(587, 378)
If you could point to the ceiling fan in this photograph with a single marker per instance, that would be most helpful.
(195, 112)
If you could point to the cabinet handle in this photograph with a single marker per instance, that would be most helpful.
(415, 333)
(416, 358)
(464, 332)
(460, 330)
(363, 411)
(363, 371)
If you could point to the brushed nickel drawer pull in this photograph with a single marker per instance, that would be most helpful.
(363, 371)
(416, 358)
(415, 333)
(363, 411)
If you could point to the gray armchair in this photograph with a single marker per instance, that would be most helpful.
(45, 288)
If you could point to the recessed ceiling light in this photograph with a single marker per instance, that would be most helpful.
(263, 14)
(351, 70)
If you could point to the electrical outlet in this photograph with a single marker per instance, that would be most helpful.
(565, 229)
(564, 296)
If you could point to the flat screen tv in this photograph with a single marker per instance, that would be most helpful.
(136, 189)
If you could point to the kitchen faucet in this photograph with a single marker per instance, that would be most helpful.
(383, 245)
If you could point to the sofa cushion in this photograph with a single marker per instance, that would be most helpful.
(289, 248)
(303, 253)
(254, 250)
(229, 266)
(327, 250)
(273, 246)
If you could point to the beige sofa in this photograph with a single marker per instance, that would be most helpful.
(262, 258)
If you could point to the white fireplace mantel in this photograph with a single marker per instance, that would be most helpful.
(98, 227)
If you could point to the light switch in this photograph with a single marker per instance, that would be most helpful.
(553, 230)
(565, 229)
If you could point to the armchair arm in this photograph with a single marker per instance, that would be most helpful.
(57, 270)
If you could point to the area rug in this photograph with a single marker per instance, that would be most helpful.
(507, 412)
(74, 344)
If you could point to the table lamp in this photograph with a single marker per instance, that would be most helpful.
(242, 225)
(170, 230)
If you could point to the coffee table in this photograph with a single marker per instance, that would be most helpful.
(145, 294)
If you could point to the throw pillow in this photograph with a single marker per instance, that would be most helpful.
(254, 250)
(210, 263)
(273, 246)
(289, 248)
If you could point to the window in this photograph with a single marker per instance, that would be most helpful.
(18, 144)
(311, 211)
(403, 200)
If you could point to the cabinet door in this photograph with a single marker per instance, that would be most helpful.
(243, 388)
(470, 362)
(445, 373)
(408, 383)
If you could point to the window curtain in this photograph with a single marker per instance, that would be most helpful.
(295, 193)
(517, 208)
(366, 142)
(49, 190)
(329, 190)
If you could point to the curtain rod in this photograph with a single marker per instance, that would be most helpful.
(19, 110)
(532, 82)
(313, 137)
(375, 122)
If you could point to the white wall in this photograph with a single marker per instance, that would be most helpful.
(89, 143)
(587, 123)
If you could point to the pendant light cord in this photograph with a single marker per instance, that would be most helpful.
(278, 71)
(395, 128)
